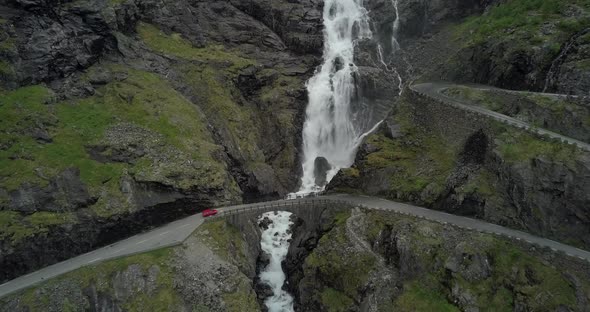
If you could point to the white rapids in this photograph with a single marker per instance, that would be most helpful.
(329, 130)
(275, 243)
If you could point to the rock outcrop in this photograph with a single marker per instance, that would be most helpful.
(116, 110)
(481, 169)
(375, 261)
(210, 271)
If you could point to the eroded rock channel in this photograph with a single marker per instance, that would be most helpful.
(338, 259)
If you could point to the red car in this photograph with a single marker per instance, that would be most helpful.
(209, 212)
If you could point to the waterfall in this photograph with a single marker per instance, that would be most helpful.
(275, 242)
(329, 130)
(395, 46)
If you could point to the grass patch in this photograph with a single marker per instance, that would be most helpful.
(539, 286)
(422, 297)
(212, 83)
(174, 44)
(525, 16)
(474, 96)
(144, 100)
(483, 184)
(414, 167)
(164, 298)
(335, 301)
(518, 146)
(218, 103)
(225, 240)
(346, 271)
(244, 299)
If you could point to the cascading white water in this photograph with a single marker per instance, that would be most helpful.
(395, 46)
(275, 243)
(394, 43)
(329, 130)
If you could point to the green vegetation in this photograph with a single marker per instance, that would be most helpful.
(415, 161)
(500, 102)
(5, 69)
(244, 299)
(211, 81)
(100, 276)
(560, 115)
(542, 287)
(515, 275)
(518, 146)
(421, 297)
(483, 183)
(478, 97)
(525, 16)
(143, 100)
(533, 29)
(116, 2)
(218, 104)
(347, 271)
(16, 228)
(335, 301)
(225, 240)
(175, 45)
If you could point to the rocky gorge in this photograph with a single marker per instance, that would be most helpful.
(351, 260)
(121, 115)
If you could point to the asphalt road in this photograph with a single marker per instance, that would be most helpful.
(170, 234)
(434, 90)
(176, 232)
(463, 222)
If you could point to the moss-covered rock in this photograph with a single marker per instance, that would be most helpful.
(116, 112)
(524, 45)
(437, 267)
(566, 116)
(448, 159)
(192, 276)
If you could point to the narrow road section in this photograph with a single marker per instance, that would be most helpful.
(176, 232)
(435, 90)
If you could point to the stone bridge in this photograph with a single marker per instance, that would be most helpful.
(311, 211)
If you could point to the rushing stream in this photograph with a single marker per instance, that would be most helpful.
(329, 130)
(275, 243)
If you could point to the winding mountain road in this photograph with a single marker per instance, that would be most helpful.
(435, 90)
(176, 232)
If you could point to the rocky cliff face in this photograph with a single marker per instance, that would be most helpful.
(481, 169)
(372, 261)
(211, 271)
(347, 260)
(127, 114)
(523, 46)
(447, 159)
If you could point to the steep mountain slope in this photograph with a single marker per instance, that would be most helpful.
(446, 158)
(354, 260)
(120, 115)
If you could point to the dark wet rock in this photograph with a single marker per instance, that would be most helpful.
(471, 266)
(321, 166)
(133, 279)
(66, 192)
(265, 223)
(101, 301)
(41, 135)
(298, 24)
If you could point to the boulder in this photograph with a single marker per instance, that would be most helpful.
(321, 166)
(65, 192)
